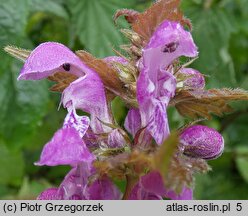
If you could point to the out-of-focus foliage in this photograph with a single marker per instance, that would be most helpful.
(28, 112)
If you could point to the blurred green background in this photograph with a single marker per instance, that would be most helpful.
(28, 111)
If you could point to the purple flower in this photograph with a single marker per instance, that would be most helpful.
(151, 187)
(104, 189)
(94, 146)
(115, 139)
(49, 194)
(202, 142)
(49, 58)
(67, 146)
(76, 186)
(169, 42)
(196, 79)
(156, 84)
(133, 121)
(133, 126)
(87, 93)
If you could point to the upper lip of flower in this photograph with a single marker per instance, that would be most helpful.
(49, 58)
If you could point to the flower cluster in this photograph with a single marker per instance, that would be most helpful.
(155, 163)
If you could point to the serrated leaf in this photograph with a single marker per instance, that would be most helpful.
(24, 104)
(203, 103)
(212, 31)
(12, 23)
(129, 14)
(147, 22)
(92, 21)
(49, 6)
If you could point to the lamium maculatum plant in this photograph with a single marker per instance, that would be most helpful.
(155, 161)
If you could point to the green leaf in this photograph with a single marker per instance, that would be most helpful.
(222, 183)
(49, 6)
(93, 24)
(12, 166)
(242, 161)
(13, 18)
(119, 110)
(212, 29)
(31, 189)
(23, 106)
(23, 103)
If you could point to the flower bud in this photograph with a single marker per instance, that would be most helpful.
(202, 142)
(132, 36)
(194, 79)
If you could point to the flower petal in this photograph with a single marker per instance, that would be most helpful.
(104, 189)
(133, 121)
(80, 123)
(153, 183)
(115, 139)
(149, 187)
(169, 42)
(87, 93)
(49, 194)
(75, 183)
(153, 100)
(186, 194)
(156, 84)
(51, 57)
(65, 148)
(138, 193)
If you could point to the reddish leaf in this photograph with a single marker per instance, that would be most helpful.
(63, 80)
(147, 22)
(108, 75)
(202, 103)
(130, 15)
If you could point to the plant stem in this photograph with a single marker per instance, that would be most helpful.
(131, 181)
